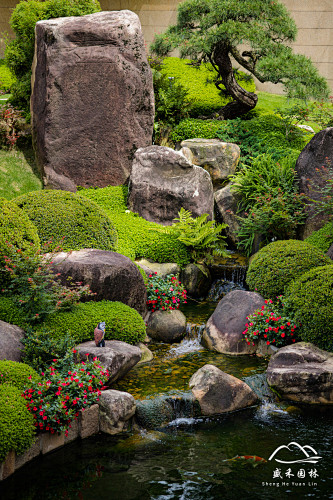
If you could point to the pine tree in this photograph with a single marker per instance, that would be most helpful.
(257, 34)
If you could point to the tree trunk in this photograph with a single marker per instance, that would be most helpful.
(243, 101)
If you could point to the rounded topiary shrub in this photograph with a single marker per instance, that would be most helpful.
(279, 263)
(68, 219)
(17, 374)
(122, 322)
(17, 229)
(17, 428)
(323, 238)
(11, 313)
(310, 298)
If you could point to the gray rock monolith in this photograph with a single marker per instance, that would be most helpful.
(10, 341)
(92, 101)
(163, 181)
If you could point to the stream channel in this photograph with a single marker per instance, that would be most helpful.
(173, 453)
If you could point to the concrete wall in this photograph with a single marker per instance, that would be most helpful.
(314, 19)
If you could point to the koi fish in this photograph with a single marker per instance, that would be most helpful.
(251, 459)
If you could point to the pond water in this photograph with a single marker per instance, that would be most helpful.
(180, 455)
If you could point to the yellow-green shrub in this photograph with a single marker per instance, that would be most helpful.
(17, 374)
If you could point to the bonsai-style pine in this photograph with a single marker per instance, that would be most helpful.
(256, 33)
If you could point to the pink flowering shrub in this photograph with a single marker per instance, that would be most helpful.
(271, 324)
(56, 400)
(164, 294)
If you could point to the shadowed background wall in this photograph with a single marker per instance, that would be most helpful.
(314, 19)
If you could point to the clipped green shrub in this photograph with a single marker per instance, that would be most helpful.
(7, 79)
(17, 374)
(198, 81)
(137, 238)
(20, 51)
(61, 214)
(193, 128)
(323, 238)
(310, 298)
(17, 229)
(17, 428)
(122, 322)
(277, 264)
(11, 313)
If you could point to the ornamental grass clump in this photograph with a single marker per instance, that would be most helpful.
(164, 294)
(57, 399)
(271, 324)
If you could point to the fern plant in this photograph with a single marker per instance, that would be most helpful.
(202, 237)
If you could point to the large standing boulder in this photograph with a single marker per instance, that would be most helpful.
(217, 392)
(92, 98)
(226, 202)
(313, 170)
(302, 372)
(224, 329)
(110, 275)
(163, 181)
(220, 159)
(118, 357)
(10, 342)
(115, 411)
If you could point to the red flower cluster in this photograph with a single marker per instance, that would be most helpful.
(270, 324)
(165, 293)
(56, 401)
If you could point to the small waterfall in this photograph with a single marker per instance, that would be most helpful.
(190, 343)
(222, 286)
(158, 412)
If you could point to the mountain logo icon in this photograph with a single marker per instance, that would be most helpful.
(310, 454)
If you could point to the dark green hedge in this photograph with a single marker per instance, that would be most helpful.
(199, 84)
(277, 264)
(137, 237)
(310, 298)
(17, 229)
(16, 422)
(17, 374)
(122, 322)
(323, 238)
(61, 214)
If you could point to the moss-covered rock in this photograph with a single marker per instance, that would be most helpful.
(68, 219)
(277, 264)
(122, 322)
(17, 374)
(310, 298)
(16, 422)
(323, 238)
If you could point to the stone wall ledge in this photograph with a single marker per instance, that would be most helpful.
(89, 422)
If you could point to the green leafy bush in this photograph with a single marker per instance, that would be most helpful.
(19, 52)
(40, 349)
(277, 264)
(18, 374)
(122, 322)
(199, 83)
(16, 228)
(272, 324)
(16, 422)
(310, 298)
(7, 79)
(61, 216)
(263, 134)
(11, 313)
(137, 238)
(323, 238)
